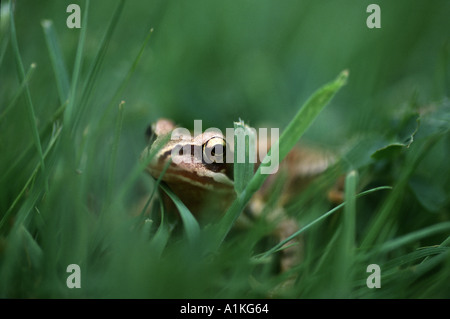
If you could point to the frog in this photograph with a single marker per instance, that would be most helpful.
(200, 182)
(196, 183)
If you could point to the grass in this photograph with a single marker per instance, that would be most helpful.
(70, 138)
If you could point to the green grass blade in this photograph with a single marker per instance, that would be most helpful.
(113, 156)
(346, 247)
(160, 239)
(155, 188)
(134, 65)
(28, 151)
(96, 65)
(324, 260)
(59, 67)
(4, 30)
(105, 117)
(19, 241)
(29, 181)
(415, 255)
(19, 91)
(68, 114)
(243, 170)
(295, 129)
(317, 220)
(444, 244)
(414, 236)
(3, 47)
(29, 102)
(191, 226)
(162, 235)
(127, 78)
(351, 182)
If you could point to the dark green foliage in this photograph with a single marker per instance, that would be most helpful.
(75, 104)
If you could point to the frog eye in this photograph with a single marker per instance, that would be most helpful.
(214, 150)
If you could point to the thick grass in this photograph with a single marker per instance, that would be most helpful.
(71, 176)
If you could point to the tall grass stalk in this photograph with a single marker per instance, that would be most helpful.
(29, 104)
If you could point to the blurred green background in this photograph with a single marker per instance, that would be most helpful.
(219, 61)
(257, 60)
